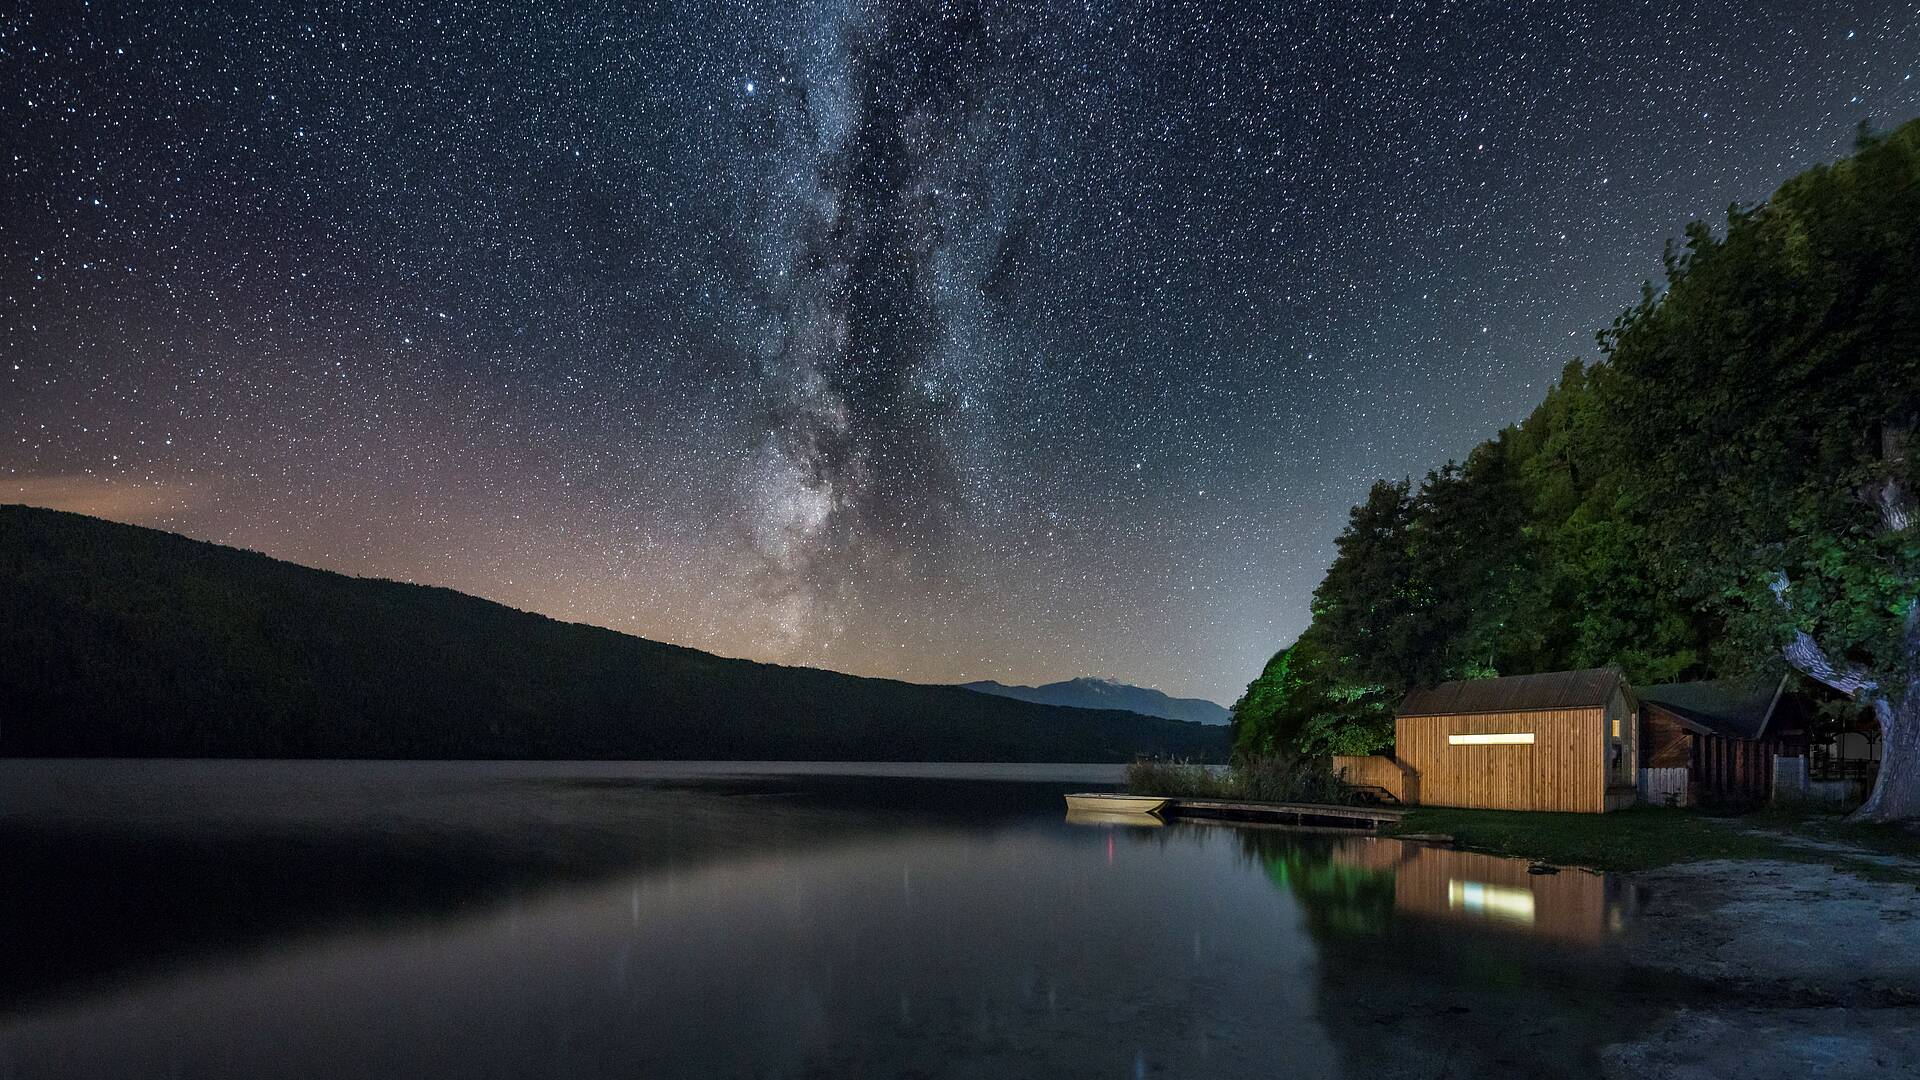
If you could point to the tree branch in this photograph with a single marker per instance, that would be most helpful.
(1895, 509)
(1806, 655)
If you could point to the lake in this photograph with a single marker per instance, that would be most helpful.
(462, 919)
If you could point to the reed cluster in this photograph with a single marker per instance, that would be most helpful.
(1253, 778)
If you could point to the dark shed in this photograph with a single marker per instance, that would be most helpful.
(1723, 732)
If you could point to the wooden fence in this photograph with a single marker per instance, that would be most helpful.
(1374, 770)
(1663, 787)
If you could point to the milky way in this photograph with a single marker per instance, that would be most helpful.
(885, 152)
(936, 340)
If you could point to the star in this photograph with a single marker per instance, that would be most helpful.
(864, 375)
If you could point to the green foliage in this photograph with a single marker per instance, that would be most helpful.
(1739, 423)
(121, 641)
(1256, 720)
(1769, 397)
(1299, 704)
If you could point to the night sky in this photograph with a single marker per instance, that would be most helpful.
(933, 340)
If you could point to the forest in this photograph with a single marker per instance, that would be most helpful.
(1727, 485)
(129, 642)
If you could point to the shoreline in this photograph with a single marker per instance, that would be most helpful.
(1817, 972)
(1789, 941)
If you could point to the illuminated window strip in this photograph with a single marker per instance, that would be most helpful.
(1497, 738)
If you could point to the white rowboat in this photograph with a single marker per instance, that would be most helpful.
(1111, 803)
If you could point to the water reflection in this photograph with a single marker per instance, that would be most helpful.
(1077, 816)
(1427, 952)
(498, 921)
(1360, 883)
(1570, 905)
(1480, 898)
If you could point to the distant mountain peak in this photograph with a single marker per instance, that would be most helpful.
(1103, 692)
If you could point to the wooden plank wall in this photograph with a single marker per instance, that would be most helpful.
(1665, 743)
(1732, 771)
(1563, 769)
(1373, 770)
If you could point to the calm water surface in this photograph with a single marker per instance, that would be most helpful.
(333, 919)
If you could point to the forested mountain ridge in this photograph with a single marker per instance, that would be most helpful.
(1095, 693)
(128, 641)
(1729, 485)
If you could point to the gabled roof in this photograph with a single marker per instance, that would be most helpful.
(1736, 708)
(1587, 689)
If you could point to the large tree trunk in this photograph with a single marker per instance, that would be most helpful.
(1896, 794)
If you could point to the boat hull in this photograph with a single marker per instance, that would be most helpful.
(1105, 803)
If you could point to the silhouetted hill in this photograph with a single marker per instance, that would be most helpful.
(1109, 694)
(127, 641)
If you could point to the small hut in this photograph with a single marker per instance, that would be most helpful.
(1563, 740)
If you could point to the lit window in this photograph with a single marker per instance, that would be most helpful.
(1497, 738)
(1616, 727)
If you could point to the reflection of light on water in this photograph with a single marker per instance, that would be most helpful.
(1480, 898)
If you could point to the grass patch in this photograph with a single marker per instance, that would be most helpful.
(1638, 838)
(1646, 837)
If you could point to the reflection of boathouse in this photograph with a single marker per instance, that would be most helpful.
(1571, 905)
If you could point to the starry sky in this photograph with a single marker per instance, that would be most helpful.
(939, 340)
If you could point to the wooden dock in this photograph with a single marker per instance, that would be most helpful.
(1323, 815)
(1311, 815)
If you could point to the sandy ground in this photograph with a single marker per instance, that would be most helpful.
(1805, 971)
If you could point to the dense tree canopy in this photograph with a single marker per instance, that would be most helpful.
(1731, 478)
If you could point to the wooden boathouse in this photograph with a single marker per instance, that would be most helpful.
(1586, 741)
(1564, 740)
